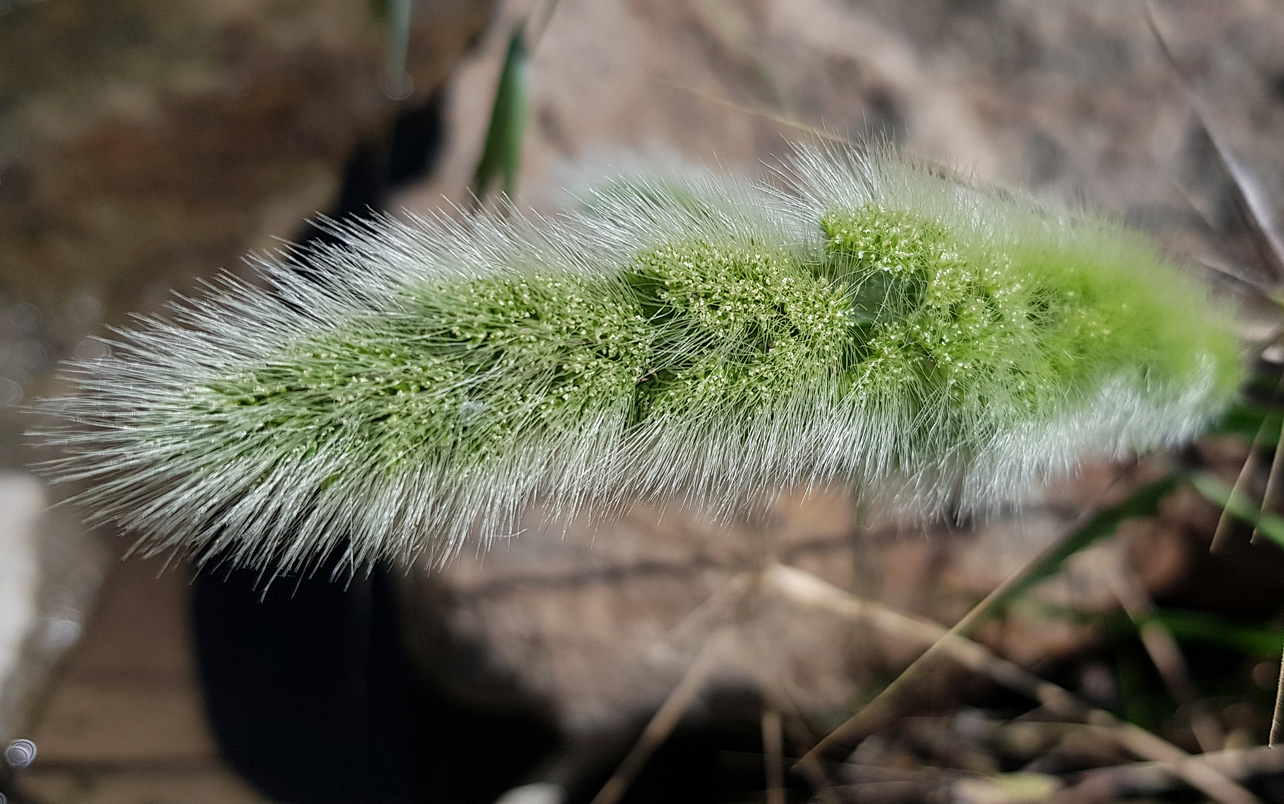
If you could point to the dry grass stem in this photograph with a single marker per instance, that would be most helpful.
(808, 590)
(1249, 200)
(1006, 788)
(1194, 770)
(664, 721)
(1277, 718)
(773, 749)
(1225, 522)
(1163, 651)
(778, 700)
(1152, 778)
(1270, 498)
(981, 610)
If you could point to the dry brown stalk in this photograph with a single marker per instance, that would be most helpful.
(665, 720)
(863, 719)
(778, 700)
(1221, 536)
(808, 590)
(1152, 778)
(1163, 650)
(773, 749)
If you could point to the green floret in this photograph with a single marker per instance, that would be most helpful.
(572, 345)
(738, 328)
(458, 375)
(1016, 330)
(1123, 306)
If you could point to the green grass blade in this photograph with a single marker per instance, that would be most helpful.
(1253, 639)
(502, 153)
(397, 15)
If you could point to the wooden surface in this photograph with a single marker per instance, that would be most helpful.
(122, 720)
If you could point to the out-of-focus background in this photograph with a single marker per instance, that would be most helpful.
(146, 145)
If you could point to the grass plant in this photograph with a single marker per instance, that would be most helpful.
(867, 321)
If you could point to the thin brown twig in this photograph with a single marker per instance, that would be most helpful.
(1277, 717)
(1152, 778)
(1163, 650)
(666, 718)
(981, 610)
(1270, 497)
(800, 736)
(806, 589)
(1225, 520)
(773, 752)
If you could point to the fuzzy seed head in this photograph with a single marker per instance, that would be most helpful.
(705, 340)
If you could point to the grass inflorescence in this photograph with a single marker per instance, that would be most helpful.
(703, 339)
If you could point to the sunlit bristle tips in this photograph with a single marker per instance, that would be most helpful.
(700, 339)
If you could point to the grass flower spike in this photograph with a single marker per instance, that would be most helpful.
(870, 323)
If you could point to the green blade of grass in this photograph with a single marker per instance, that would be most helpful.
(396, 14)
(1253, 639)
(502, 152)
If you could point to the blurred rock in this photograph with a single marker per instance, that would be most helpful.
(49, 572)
(146, 140)
(1076, 101)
